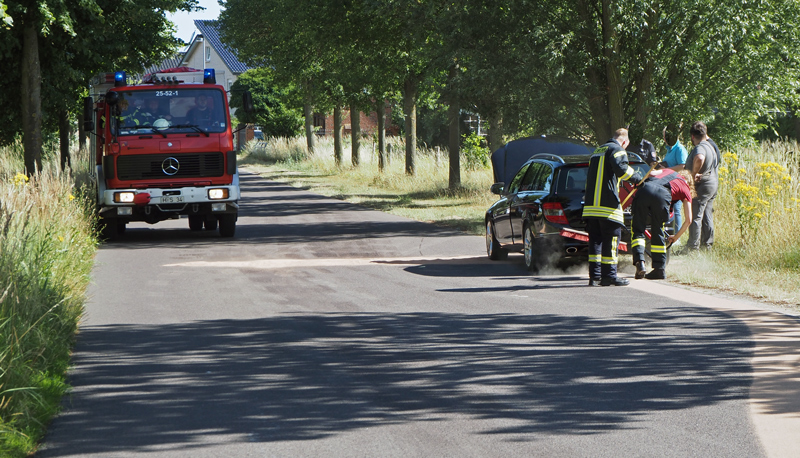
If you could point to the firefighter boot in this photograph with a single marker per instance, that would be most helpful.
(614, 281)
(640, 270)
(656, 274)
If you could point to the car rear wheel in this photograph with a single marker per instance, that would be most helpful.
(530, 250)
(493, 248)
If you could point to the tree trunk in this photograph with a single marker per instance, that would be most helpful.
(63, 137)
(410, 113)
(454, 141)
(338, 151)
(355, 135)
(380, 112)
(82, 134)
(495, 132)
(308, 113)
(616, 113)
(31, 87)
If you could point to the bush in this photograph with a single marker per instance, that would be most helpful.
(475, 152)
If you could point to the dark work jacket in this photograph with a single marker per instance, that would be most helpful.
(659, 188)
(607, 166)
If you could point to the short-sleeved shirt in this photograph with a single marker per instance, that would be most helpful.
(678, 188)
(710, 161)
(676, 155)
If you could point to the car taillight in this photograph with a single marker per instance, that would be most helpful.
(554, 212)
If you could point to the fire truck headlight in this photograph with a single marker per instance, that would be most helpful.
(218, 193)
(123, 197)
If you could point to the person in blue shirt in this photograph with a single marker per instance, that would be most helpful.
(675, 160)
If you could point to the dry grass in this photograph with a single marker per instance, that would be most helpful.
(423, 197)
(757, 228)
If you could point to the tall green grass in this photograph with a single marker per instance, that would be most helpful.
(47, 246)
(424, 196)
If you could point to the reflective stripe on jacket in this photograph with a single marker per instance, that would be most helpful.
(607, 167)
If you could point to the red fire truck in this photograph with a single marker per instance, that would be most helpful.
(163, 149)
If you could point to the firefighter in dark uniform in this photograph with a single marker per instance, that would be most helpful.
(602, 211)
(651, 204)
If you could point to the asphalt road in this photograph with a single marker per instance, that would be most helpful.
(325, 329)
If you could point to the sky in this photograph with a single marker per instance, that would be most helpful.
(185, 21)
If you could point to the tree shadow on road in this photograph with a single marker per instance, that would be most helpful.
(303, 377)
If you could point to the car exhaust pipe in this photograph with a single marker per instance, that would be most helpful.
(572, 250)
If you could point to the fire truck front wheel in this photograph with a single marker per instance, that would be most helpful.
(110, 229)
(227, 225)
(196, 222)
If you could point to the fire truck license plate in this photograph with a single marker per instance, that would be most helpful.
(171, 199)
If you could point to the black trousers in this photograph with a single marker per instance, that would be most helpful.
(651, 203)
(604, 238)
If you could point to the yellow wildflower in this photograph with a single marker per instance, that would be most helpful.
(21, 179)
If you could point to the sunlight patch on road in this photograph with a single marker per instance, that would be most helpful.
(774, 404)
(324, 262)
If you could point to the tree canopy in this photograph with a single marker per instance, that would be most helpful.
(275, 106)
(576, 67)
(54, 47)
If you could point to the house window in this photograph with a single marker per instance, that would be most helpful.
(230, 83)
(208, 53)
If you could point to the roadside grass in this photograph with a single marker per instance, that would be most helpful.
(425, 196)
(47, 247)
(757, 227)
(757, 217)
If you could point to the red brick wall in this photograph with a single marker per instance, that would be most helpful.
(369, 123)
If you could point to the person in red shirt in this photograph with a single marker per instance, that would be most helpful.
(652, 203)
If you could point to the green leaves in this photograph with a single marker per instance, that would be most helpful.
(274, 105)
(576, 67)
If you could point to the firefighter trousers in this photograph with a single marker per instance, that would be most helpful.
(604, 236)
(651, 204)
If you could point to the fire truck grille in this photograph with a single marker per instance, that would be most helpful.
(160, 166)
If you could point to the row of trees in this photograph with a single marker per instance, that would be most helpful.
(580, 68)
(50, 50)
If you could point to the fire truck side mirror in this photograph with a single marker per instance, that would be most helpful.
(247, 102)
(88, 114)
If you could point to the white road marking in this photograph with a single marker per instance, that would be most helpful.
(321, 262)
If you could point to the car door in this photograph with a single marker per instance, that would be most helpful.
(540, 188)
(527, 200)
(501, 211)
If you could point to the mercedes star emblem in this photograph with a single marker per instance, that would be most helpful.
(170, 166)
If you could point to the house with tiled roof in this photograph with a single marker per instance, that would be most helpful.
(207, 51)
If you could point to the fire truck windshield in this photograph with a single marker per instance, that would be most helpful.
(174, 110)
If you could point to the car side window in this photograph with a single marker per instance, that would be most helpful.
(543, 178)
(515, 183)
(576, 179)
(529, 181)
